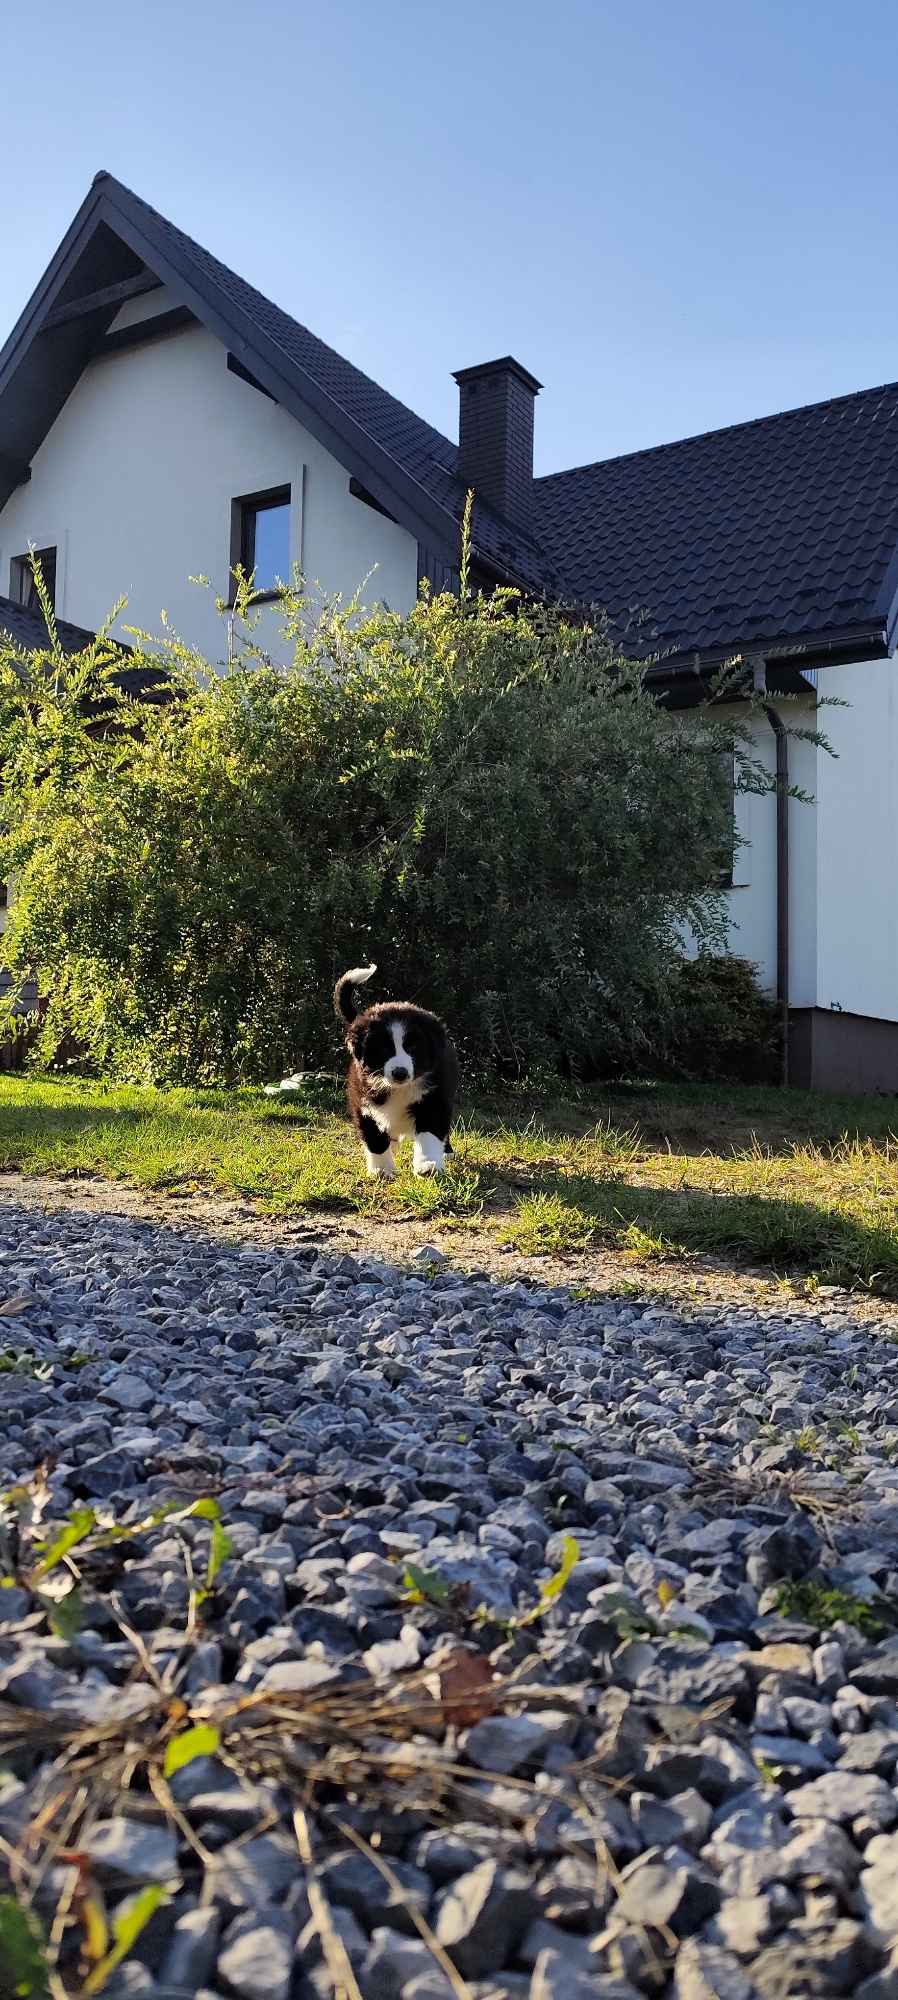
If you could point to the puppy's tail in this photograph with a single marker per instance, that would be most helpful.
(344, 997)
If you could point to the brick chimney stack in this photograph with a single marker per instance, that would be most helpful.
(495, 435)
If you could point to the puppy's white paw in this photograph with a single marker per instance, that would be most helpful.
(381, 1166)
(429, 1156)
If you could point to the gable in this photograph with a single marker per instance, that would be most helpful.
(144, 308)
(779, 537)
(119, 247)
(135, 483)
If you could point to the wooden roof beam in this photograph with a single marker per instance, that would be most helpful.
(108, 295)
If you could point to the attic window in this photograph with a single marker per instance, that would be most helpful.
(260, 538)
(22, 585)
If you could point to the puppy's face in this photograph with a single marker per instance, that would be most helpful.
(394, 1049)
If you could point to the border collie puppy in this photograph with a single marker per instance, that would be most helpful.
(403, 1075)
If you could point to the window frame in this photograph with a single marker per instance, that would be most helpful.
(22, 584)
(244, 508)
(724, 877)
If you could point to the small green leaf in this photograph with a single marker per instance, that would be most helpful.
(206, 1510)
(96, 1929)
(65, 1615)
(570, 1556)
(219, 1550)
(425, 1585)
(201, 1741)
(23, 1967)
(130, 1919)
(112, 1536)
(77, 1528)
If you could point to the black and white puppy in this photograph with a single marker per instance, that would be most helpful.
(403, 1076)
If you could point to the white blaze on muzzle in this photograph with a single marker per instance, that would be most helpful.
(398, 1067)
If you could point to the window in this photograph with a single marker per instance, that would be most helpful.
(260, 539)
(22, 586)
(725, 858)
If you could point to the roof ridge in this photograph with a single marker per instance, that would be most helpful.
(273, 305)
(721, 430)
(515, 542)
(786, 526)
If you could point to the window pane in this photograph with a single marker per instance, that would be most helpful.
(22, 585)
(272, 553)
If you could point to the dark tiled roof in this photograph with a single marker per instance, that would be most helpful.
(775, 530)
(414, 445)
(777, 533)
(28, 630)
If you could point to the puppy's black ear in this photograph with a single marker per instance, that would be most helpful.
(356, 1039)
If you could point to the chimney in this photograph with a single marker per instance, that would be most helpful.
(495, 435)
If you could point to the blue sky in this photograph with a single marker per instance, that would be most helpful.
(677, 215)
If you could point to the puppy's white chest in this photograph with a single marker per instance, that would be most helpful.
(395, 1114)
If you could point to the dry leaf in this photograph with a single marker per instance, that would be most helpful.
(464, 1679)
(11, 1308)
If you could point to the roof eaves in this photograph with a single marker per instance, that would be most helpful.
(886, 605)
(868, 639)
(55, 276)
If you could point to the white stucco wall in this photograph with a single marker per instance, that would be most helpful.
(134, 482)
(752, 900)
(843, 859)
(857, 855)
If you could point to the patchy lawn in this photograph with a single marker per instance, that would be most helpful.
(801, 1186)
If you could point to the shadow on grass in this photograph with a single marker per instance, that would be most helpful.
(691, 1119)
(547, 1181)
(569, 1212)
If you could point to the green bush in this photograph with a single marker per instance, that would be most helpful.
(723, 1026)
(479, 796)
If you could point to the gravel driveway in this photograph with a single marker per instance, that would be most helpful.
(683, 1776)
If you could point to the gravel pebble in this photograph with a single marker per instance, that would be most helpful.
(257, 1956)
(123, 1847)
(402, 1460)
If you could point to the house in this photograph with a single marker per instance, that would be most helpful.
(158, 416)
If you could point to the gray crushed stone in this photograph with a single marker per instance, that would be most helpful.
(691, 1790)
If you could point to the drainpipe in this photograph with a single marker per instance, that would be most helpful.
(759, 674)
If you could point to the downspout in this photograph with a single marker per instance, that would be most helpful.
(782, 862)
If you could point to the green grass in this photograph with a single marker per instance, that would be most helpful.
(822, 1605)
(798, 1185)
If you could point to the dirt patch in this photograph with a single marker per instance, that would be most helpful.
(686, 1281)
